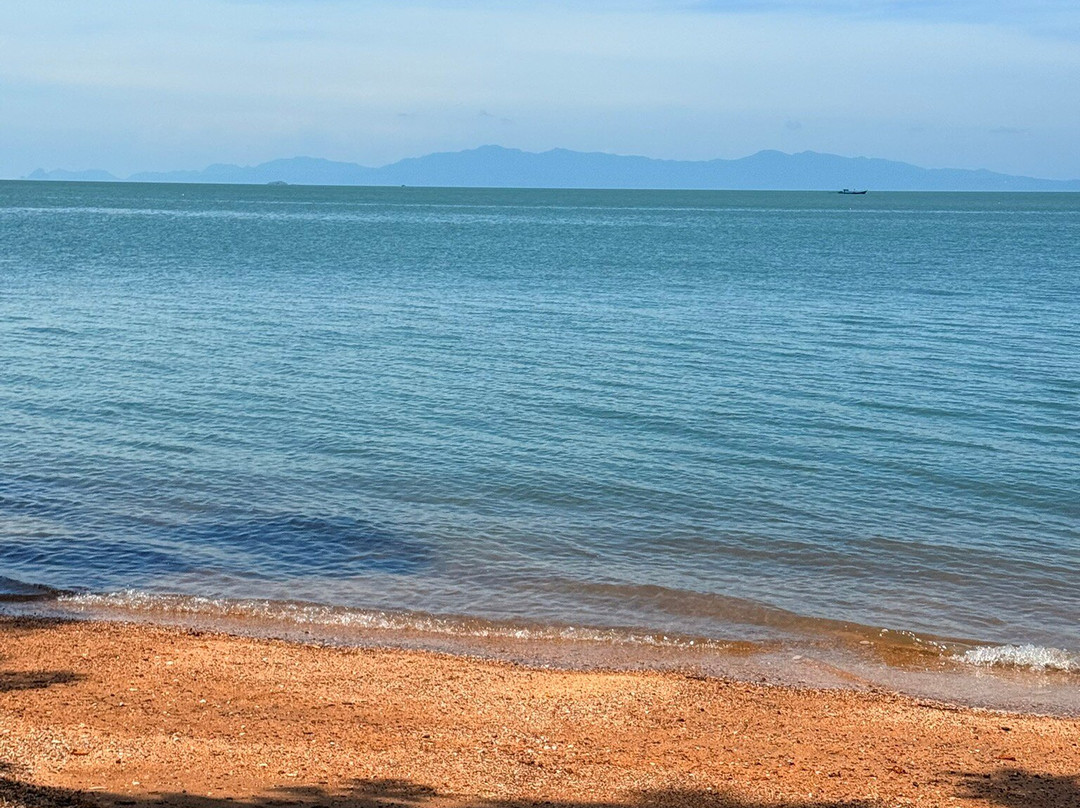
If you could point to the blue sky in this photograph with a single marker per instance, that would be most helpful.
(131, 85)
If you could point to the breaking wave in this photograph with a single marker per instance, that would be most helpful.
(1032, 657)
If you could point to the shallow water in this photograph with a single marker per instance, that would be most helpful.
(792, 419)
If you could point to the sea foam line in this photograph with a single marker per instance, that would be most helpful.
(362, 619)
(1032, 657)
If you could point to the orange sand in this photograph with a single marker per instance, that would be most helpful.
(114, 715)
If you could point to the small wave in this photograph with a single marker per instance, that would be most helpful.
(328, 617)
(1032, 657)
(12, 590)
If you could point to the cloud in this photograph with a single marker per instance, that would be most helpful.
(130, 85)
(966, 10)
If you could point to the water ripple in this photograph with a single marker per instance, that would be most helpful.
(588, 408)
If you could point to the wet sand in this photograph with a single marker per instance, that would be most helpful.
(112, 715)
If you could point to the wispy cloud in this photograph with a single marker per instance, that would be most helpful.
(978, 10)
(132, 85)
(484, 114)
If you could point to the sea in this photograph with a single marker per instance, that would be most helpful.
(826, 440)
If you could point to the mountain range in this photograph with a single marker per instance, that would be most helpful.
(496, 166)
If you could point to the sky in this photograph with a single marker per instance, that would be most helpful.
(148, 85)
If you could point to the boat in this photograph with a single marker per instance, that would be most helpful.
(852, 192)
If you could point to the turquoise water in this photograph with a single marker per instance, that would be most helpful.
(768, 417)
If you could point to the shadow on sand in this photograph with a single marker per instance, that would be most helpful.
(10, 628)
(1016, 788)
(1008, 788)
(374, 794)
(35, 680)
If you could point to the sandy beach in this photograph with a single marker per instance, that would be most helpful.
(110, 715)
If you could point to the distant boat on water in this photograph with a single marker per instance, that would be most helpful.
(852, 191)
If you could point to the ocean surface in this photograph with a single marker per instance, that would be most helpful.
(819, 436)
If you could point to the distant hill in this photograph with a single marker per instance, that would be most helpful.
(73, 176)
(495, 166)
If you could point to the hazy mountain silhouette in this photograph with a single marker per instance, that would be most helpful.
(73, 176)
(495, 166)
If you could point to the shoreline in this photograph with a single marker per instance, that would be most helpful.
(114, 714)
(1027, 679)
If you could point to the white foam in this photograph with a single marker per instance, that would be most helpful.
(302, 614)
(1032, 657)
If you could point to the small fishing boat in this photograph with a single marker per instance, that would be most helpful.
(852, 192)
